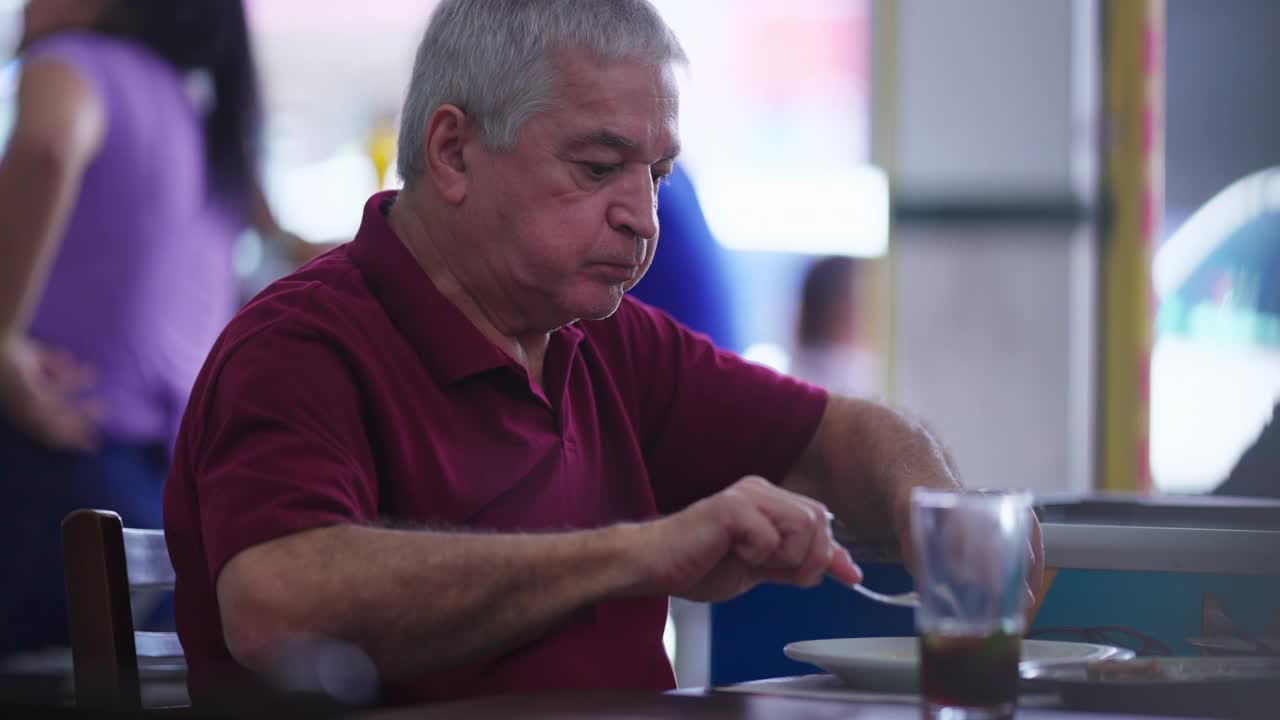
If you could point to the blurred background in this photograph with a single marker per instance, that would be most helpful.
(1061, 218)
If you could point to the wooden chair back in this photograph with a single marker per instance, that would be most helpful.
(104, 562)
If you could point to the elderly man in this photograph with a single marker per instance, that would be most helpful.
(456, 445)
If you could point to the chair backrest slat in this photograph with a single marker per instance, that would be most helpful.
(157, 645)
(147, 560)
(104, 561)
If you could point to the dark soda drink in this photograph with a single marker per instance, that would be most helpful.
(971, 671)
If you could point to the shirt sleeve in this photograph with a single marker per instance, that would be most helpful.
(705, 416)
(284, 447)
(76, 51)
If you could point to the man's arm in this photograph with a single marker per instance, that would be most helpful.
(414, 601)
(864, 460)
(417, 601)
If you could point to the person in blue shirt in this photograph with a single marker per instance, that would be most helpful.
(688, 279)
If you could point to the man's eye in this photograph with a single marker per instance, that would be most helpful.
(600, 172)
(660, 179)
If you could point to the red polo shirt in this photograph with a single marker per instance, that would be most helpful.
(354, 392)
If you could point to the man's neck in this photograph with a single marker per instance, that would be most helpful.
(431, 247)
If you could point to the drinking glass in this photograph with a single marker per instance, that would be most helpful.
(972, 552)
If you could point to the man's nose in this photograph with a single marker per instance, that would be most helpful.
(634, 209)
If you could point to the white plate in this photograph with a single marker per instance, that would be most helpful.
(1208, 686)
(888, 664)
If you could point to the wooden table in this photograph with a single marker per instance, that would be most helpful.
(699, 705)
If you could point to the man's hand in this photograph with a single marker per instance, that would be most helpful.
(974, 549)
(751, 532)
(42, 393)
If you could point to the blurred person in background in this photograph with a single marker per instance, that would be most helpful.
(829, 347)
(688, 278)
(129, 175)
(1257, 472)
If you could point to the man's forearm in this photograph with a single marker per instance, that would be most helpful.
(863, 462)
(415, 600)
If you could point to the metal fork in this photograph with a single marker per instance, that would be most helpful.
(906, 599)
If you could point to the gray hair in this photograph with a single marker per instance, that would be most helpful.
(493, 59)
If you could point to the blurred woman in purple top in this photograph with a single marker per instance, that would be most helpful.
(129, 174)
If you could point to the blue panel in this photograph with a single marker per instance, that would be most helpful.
(749, 632)
(1164, 606)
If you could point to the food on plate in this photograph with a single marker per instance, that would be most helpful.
(1121, 670)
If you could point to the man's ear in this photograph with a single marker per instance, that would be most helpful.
(448, 133)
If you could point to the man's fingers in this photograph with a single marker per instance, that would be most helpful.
(842, 567)
(839, 565)
(815, 563)
(803, 527)
(802, 557)
(806, 550)
(755, 539)
(824, 553)
(802, 533)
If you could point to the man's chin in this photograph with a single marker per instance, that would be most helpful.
(602, 312)
(602, 308)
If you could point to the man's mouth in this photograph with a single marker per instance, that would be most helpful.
(614, 272)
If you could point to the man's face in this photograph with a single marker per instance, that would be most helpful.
(568, 217)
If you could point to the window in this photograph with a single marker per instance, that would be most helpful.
(1215, 365)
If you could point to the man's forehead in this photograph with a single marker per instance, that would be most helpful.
(585, 78)
(613, 139)
(619, 104)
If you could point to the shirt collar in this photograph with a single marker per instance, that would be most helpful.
(448, 344)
